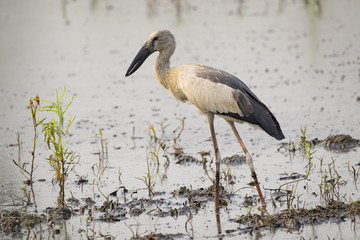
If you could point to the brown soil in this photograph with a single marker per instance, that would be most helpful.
(294, 219)
(337, 142)
(12, 221)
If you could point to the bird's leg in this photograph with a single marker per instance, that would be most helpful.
(250, 163)
(217, 161)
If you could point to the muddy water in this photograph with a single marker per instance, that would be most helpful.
(303, 62)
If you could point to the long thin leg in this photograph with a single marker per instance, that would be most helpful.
(250, 163)
(210, 118)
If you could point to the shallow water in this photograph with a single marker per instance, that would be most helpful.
(305, 66)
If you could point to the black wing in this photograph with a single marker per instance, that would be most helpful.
(255, 112)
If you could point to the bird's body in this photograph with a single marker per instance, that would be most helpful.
(211, 91)
(218, 92)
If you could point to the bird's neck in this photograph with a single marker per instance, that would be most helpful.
(162, 66)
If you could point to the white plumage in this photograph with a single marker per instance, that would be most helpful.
(207, 96)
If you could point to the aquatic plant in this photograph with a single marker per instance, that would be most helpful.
(28, 174)
(178, 131)
(99, 170)
(102, 152)
(55, 131)
(34, 107)
(291, 194)
(26, 198)
(303, 136)
(148, 179)
(136, 234)
(158, 143)
(331, 183)
(308, 155)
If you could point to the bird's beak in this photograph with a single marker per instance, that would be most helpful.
(139, 60)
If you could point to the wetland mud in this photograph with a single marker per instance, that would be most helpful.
(293, 220)
(13, 222)
(341, 142)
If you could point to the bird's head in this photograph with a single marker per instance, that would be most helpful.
(161, 40)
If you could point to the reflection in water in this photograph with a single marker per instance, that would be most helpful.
(315, 6)
(152, 8)
(178, 9)
(59, 232)
(218, 223)
(189, 222)
(93, 4)
(28, 195)
(240, 8)
(217, 193)
(64, 4)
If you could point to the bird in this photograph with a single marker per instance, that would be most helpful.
(212, 92)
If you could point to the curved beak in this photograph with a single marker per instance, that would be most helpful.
(139, 60)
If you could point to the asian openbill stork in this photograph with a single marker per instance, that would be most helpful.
(213, 92)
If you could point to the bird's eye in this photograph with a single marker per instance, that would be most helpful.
(155, 38)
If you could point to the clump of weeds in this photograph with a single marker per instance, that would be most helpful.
(330, 185)
(62, 160)
(55, 131)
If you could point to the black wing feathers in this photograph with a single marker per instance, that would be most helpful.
(254, 111)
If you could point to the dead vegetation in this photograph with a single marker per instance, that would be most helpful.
(336, 142)
(294, 219)
(12, 221)
(156, 236)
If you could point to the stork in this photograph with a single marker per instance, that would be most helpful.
(213, 92)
